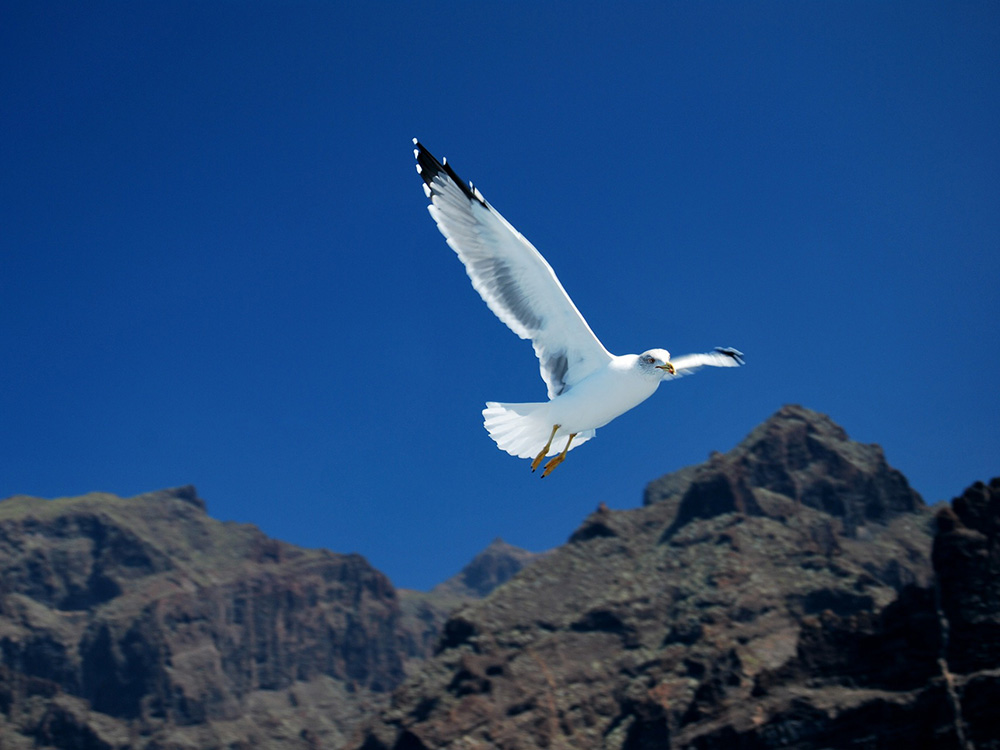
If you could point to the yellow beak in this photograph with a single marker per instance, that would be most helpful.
(668, 367)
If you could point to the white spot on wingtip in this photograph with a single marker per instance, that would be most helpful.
(419, 170)
(415, 141)
(427, 190)
(416, 154)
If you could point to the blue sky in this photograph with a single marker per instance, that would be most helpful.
(217, 267)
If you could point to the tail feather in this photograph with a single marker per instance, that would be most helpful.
(523, 429)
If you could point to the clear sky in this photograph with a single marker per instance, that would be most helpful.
(217, 268)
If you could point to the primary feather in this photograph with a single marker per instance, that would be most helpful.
(512, 277)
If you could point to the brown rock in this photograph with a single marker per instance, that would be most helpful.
(146, 613)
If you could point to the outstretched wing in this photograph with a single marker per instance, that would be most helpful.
(515, 281)
(690, 363)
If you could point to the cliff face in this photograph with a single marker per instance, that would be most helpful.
(967, 559)
(922, 672)
(780, 595)
(148, 612)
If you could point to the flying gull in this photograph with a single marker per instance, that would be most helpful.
(587, 385)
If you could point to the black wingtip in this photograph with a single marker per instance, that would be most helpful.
(429, 168)
(729, 351)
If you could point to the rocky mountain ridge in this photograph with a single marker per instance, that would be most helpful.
(142, 622)
(780, 595)
(793, 592)
(144, 615)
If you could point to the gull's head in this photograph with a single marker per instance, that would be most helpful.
(656, 361)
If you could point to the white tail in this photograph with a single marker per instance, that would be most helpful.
(523, 429)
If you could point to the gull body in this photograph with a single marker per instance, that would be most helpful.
(621, 384)
(587, 385)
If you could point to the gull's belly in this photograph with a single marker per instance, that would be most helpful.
(605, 395)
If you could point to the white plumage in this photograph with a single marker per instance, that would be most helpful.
(587, 385)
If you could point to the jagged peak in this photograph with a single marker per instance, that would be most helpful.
(186, 493)
(794, 416)
(491, 567)
(801, 455)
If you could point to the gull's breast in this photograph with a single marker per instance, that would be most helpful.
(606, 394)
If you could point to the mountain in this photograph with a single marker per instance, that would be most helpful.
(143, 622)
(780, 595)
(794, 592)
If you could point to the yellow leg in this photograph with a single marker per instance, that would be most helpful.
(558, 459)
(540, 456)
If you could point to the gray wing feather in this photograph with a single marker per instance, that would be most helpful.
(512, 277)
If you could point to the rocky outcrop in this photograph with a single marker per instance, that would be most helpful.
(147, 615)
(492, 567)
(797, 455)
(424, 613)
(922, 672)
(967, 561)
(771, 597)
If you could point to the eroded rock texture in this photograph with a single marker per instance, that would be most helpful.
(425, 612)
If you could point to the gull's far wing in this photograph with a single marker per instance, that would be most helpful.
(690, 363)
(515, 281)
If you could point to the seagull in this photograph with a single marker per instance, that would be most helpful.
(587, 385)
